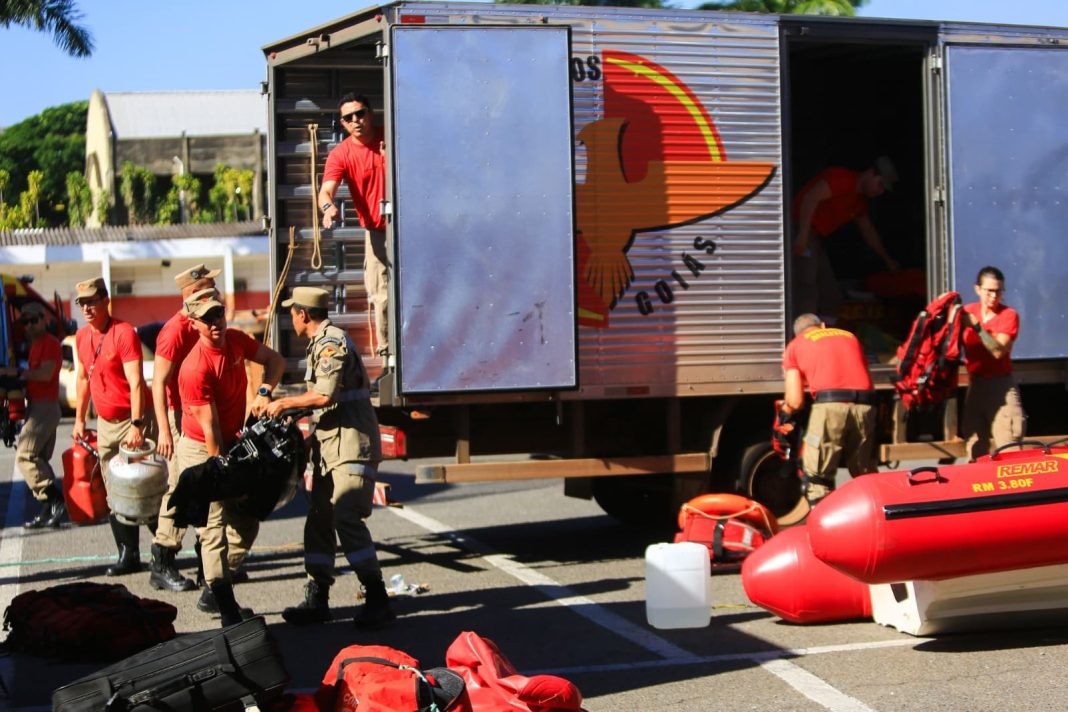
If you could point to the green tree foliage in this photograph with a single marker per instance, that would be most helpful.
(137, 186)
(789, 7)
(59, 17)
(5, 178)
(103, 207)
(79, 199)
(184, 187)
(229, 197)
(52, 142)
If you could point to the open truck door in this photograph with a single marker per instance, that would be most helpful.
(1007, 166)
(483, 223)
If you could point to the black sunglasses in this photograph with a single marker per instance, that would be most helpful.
(29, 320)
(358, 114)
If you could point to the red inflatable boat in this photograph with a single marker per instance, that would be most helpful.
(785, 578)
(1007, 511)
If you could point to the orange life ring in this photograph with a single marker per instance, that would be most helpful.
(723, 505)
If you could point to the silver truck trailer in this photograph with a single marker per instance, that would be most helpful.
(588, 219)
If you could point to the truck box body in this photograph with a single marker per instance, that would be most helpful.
(589, 211)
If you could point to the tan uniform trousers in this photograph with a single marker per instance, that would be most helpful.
(376, 281)
(992, 409)
(37, 442)
(168, 535)
(229, 534)
(341, 499)
(839, 434)
(815, 288)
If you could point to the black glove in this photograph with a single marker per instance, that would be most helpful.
(783, 431)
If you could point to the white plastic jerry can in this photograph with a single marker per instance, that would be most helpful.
(678, 585)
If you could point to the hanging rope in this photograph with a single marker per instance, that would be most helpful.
(280, 284)
(317, 255)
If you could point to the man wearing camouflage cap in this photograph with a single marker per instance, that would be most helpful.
(109, 351)
(345, 462)
(174, 342)
(37, 440)
(212, 383)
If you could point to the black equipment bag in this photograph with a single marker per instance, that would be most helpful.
(232, 668)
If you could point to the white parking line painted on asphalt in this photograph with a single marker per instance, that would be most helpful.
(814, 688)
(775, 662)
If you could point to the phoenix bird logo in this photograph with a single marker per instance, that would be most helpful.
(654, 161)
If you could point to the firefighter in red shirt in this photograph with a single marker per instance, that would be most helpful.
(359, 161)
(109, 352)
(841, 426)
(992, 406)
(212, 384)
(37, 440)
(833, 197)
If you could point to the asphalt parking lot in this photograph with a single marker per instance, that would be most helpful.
(560, 588)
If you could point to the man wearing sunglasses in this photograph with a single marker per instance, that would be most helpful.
(211, 384)
(174, 342)
(358, 160)
(110, 354)
(345, 462)
(37, 440)
(832, 198)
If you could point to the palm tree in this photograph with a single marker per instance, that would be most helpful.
(56, 16)
(785, 7)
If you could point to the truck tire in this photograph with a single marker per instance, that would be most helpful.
(770, 481)
(636, 500)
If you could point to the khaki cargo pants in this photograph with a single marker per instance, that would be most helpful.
(37, 442)
(992, 409)
(341, 499)
(376, 281)
(229, 533)
(839, 434)
(168, 535)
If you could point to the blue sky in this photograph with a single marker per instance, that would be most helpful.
(144, 45)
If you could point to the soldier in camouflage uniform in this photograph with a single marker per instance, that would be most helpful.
(345, 461)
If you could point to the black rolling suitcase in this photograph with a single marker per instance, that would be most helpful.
(235, 668)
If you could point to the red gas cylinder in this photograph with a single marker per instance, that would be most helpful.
(1005, 512)
(83, 483)
(785, 578)
(16, 405)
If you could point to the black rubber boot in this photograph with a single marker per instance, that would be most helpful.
(229, 611)
(376, 610)
(52, 510)
(126, 539)
(315, 608)
(200, 565)
(206, 602)
(164, 572)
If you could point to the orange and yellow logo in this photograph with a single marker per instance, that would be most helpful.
(655, 161)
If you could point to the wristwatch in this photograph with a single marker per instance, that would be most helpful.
(326, 206)
(138, 423)
(264, 391)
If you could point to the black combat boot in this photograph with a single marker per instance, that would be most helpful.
(52, 510)
(229, 611)
(164, 572)
(126, 539)
(206, 602)
(376, 610)
(315, 608)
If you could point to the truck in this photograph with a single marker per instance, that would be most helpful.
(589, 219)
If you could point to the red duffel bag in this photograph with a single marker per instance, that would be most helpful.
(377, 678)
(492, 682)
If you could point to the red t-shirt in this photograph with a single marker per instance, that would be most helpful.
(364, 170)
(828, 358)
(108, 386)
(174, 342)
(844, 205)
(46, 348)
(216, 375)
(980, 362)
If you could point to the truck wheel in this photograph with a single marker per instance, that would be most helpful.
(773, 483)
(639, 500)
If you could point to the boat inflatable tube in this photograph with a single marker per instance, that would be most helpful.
(1004, 512)
(784, 577)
